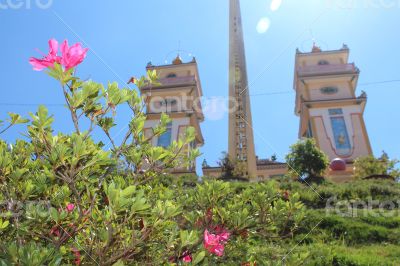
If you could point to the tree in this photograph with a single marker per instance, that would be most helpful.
(306, 160)
(232, 168)
(369, 166)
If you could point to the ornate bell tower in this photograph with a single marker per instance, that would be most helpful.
(241, 143)
(326, 102)
(177, 95)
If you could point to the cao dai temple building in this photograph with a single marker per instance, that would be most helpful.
(326, 103)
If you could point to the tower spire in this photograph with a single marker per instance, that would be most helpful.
(241, 140)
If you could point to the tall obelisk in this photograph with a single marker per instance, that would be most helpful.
(241, 140)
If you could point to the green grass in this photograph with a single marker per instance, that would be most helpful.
(355, 237)
(340, 255)
(317, 196)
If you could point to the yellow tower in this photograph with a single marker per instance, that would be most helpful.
(326, 102)
(178, 95)
(241, 142)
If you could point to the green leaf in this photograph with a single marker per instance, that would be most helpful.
(158, 153)
(199, 257)
(119, 263)
(106, 123)
(128, 192)
(139, 205)
(137, 123)
(4, 224)
(56, 72)
(165, 119)
(17, 119)
(54, 214)
(63, 250)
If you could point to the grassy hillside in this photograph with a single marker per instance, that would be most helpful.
(350, 232)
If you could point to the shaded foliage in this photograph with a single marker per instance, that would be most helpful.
(307, 161)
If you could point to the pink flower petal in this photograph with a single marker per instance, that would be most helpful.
(187, 259)
(39, 64)
(53, 45)
(224, 236)
(70, 207)
(219, 250)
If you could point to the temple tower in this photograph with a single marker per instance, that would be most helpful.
(326, 102)
(177, 95)
(241, 142)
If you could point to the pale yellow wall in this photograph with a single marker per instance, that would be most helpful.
(311, 61)
(265, 174)
(183, 101)
(183, 70)
(314, 58)
(214, 172)
(262, 174)
(344, 90)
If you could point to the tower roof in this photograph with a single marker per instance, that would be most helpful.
(177, 60)
(315, 48)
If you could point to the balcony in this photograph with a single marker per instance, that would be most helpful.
(320, 70)
(176, 81)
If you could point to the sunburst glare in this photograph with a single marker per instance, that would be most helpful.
(275, 5)
(263, 25)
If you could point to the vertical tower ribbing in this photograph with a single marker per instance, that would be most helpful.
(241, 141)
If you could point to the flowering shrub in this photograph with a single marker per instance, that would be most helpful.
(65, 199)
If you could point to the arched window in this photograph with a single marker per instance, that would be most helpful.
(171, 75)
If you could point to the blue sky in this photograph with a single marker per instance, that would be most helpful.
(124, 35)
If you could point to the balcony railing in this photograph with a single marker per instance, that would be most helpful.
(326, 69)
(177, 81)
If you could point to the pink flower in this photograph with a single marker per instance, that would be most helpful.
(70, 207)
(215, 243)
(224, 236)
(48, 60)
(55, 231)
(72, 56)
(77, 256)
(187, 259)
